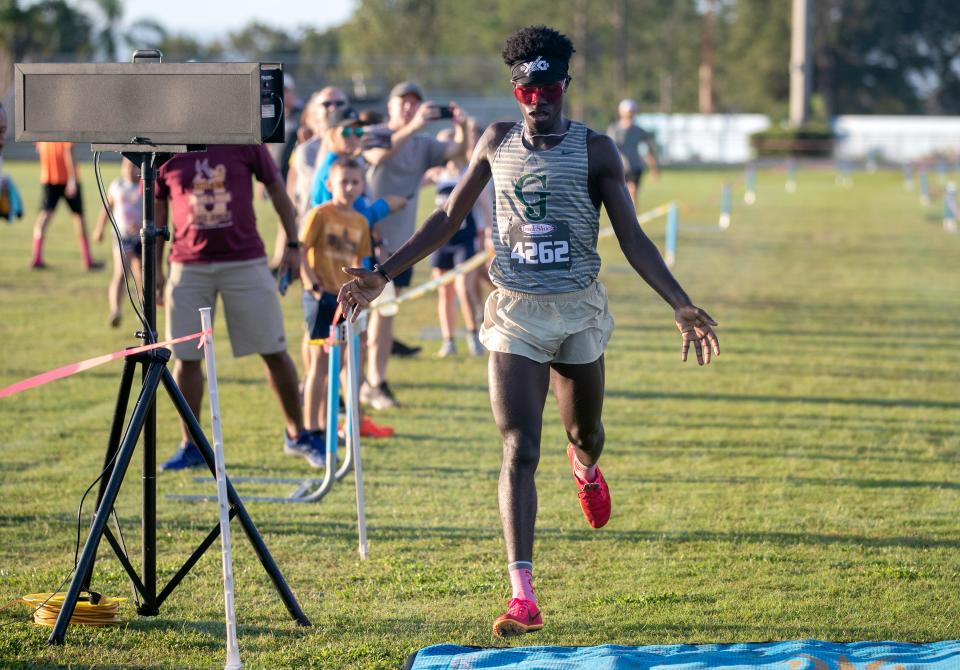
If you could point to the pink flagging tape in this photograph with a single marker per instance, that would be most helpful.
(75, 368)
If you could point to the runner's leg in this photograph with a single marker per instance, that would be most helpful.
(518, 392)
(579, 391)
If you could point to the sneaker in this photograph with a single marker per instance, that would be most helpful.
(114, 320)
(473, 344)
(187, 456)
(40, 265)
(447, 349)
(94, 266)
(404, 351)
(366, 393)
(368, 429)
(522, 616)
(307, 445)
(594, 496)
(378, 397)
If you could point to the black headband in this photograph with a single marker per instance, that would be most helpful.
(540, 70)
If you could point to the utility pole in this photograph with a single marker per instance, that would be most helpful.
(800, 65)
(618, 19)
(706, 61)
(578, 107)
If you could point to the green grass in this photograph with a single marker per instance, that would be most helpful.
(806, 485)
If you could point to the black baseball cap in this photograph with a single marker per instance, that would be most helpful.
(343, 116)
(406, 88)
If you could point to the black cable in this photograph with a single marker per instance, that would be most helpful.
(123, 545)
(123, 260)
(277, 98)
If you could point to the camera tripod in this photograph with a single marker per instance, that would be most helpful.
(143, 419)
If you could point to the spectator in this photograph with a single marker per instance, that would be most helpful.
(628, 136)
(301, 163)
(341, 141)
(59, 179)
(399, 170)
(11, 206)
(334, 235)
(217, 250)
(125, 200)
(462, 246)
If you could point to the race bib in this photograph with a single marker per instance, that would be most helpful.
(540, 246)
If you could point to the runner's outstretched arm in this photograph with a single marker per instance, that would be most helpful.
(436, 230)
(606, 174)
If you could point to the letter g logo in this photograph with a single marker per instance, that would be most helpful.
(535, 201)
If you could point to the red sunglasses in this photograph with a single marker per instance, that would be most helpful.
(528, 95)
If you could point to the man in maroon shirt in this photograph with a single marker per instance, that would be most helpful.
(217, 250)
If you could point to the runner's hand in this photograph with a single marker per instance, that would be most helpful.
(694, 326)
(361, 291)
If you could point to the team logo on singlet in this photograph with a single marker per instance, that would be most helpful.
(534, 200)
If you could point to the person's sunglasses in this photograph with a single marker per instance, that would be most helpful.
(333, 103)
(356, 131)
(529, 95)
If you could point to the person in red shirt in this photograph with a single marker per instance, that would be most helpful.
(59, 179)
(217, 250)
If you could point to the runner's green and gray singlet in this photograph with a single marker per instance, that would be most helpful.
(545, 233)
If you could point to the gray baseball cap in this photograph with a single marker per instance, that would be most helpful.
(406, 88)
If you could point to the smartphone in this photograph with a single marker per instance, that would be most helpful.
(376, 138)
(284, 282)
(445, 113)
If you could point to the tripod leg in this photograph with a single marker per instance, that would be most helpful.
(124, 454)
(113, 444)
(148, 529)
(263, 553)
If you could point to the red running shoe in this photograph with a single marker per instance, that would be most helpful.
(522, 616)
(369, 429)
(594, 496)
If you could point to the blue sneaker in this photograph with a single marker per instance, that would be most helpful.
(308, 445)
(187, 456)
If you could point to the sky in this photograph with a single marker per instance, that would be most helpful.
(214, 18)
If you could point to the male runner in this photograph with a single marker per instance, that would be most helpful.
(547, 322)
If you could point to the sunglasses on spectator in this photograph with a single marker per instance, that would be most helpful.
(356, 131)
(528, 95)
(333, 103)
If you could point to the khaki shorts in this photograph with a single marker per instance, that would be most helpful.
(569, 328)
(250, 299)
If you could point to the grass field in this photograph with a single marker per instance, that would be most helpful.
(806, 485)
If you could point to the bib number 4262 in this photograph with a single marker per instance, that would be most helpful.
(547, 252)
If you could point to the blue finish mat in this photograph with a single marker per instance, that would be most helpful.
(793, 655)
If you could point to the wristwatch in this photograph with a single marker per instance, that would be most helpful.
(293, 245)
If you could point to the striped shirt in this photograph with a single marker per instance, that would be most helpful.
(545, 233)
(53, 162)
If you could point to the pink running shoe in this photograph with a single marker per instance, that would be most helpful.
(594, 496)
(522, 616)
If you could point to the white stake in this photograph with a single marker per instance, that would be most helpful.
(233, 650)
(352, 346)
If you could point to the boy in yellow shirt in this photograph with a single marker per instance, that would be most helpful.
(333, 236)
